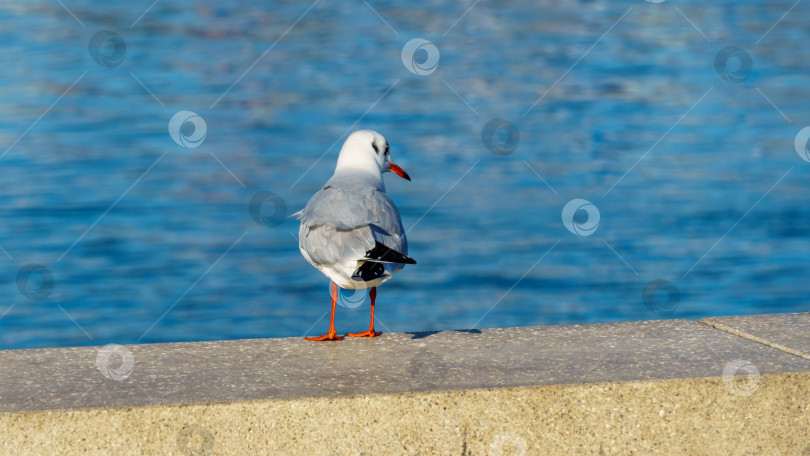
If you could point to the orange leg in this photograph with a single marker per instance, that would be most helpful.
(331, 335)
(370, 333)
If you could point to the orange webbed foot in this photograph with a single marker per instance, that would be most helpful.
(331, 335)
(368, 333)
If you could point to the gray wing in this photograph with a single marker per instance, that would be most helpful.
(343, 223)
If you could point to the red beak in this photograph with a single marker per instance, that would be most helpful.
(400, 172)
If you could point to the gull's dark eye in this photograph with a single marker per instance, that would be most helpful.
(376, 149)
(386, 148)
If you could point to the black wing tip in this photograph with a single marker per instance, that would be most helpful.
(385, 254)
(368, 271)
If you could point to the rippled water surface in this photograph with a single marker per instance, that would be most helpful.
(683, 147)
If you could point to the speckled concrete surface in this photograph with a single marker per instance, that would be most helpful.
(393, 363)
(681, 416)
(656, 387)
(789, 330)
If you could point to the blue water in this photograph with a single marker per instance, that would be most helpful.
(142, 239)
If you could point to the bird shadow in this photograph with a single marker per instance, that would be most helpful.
(423, 334)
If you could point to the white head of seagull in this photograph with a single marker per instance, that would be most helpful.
(366, 151)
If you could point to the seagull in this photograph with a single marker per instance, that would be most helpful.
(350, 229)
